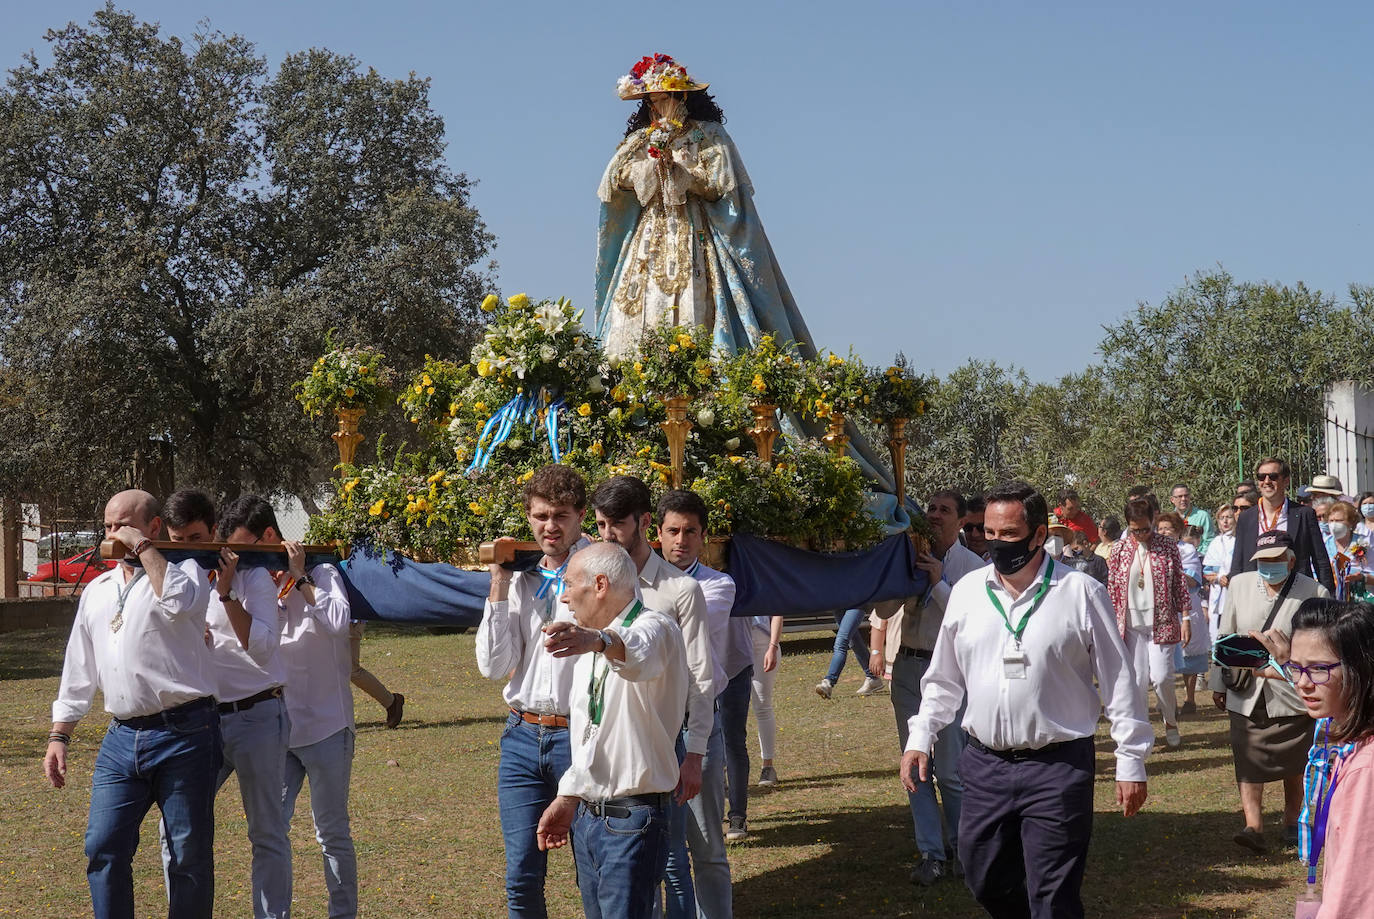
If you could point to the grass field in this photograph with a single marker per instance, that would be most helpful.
(833, 839)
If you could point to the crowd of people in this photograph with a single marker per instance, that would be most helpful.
(629, 683)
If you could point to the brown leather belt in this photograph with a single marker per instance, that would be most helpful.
(548, 721)
(244, 705)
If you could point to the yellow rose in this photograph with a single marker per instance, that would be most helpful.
(364, 370)
(350, 392)
(519, 302)
(639, 368)
(479, 406)
(425, 380)
(430, 390)
(490, 302)
(672, 349)
(685, 340)
(350, 485)
(437, 477)
(584, 409)
(758, 384)
(476, 508)
(835, 360)
(453, 408)
(484, 368)
(596, 449)
(377, 508)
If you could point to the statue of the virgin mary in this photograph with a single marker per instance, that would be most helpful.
(679, 239)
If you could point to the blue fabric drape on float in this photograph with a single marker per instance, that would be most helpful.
(393, 588)
(773, 579)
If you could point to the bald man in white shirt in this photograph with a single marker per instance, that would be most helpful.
(630, 686)
(139, 638)
(1025, 645)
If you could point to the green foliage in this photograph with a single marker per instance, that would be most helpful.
(767, 373)
(191, 226)
(672, 361)
(833, 385)
(897, 392)
(346, 378)
(432, 398)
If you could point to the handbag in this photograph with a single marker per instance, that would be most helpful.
(1227, 647)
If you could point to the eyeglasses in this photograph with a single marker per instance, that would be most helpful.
(972, 528)
(1318, 674)
(1141, 531)
(1267, 477)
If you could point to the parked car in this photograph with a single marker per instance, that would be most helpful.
(78, 569)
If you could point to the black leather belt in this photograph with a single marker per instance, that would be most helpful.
(244, 705)
(148, 722)
(620, 807)
(1023, 753)
(919, 653)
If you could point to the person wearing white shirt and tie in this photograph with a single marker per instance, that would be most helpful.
(682, 517)
(251, 684)
(630, 687)
(316, 652)
(139, 638)
(1020, 648)
(624, 509)
(534, 744)
(913, 625)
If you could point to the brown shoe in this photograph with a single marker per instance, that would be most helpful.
(1252, 840)
(393, 711)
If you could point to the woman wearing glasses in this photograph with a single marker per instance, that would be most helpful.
(1270, 732)
(1331, 664)
(1147, 585)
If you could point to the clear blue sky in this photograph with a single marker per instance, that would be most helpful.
(956, 180)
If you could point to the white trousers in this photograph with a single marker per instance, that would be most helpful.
(1153, 665)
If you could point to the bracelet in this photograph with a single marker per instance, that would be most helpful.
(142, 545)
(59, 737)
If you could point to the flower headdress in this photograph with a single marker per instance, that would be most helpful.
(657, 74)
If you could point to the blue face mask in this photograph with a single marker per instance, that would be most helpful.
(1367, 510)
(1273, 572)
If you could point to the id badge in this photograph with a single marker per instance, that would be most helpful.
(1014, 664)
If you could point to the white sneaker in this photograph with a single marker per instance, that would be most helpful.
(871, 686)
(1172, 737)
(823, 688)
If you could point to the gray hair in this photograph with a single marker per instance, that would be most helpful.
(610, 560)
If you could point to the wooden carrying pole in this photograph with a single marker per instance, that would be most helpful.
(113, 549)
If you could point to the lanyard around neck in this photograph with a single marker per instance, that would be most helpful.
(596, 685)
(1020, 628)
(1319, 786)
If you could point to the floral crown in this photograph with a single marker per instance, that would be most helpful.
(657, 74)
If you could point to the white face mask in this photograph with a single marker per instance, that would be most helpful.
(1339, 530)
(1055, 546)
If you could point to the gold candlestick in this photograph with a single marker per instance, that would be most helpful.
(835, 438)
(896, 445)
(347, 437)
(676, 427)
(765, 429)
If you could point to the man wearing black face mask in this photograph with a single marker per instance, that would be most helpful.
(1020, 647)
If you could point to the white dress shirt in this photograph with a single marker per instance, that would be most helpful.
(156, 661)
(1070, 639)
(1218, 558)
(509, 641)
(666, 588)
(242, 671)
(317, 660)
(719, 590)
(915, 621)
(633, 751)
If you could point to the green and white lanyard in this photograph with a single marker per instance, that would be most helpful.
(1020, 628)
(596, 685)
(123, 595)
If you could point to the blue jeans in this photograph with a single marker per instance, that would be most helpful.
(907, 672)
(733, 705)
(848, 636)
(533, 759)
(173, 765)
(255, 748)
(679, 894)
(329, 765)
(620, 861)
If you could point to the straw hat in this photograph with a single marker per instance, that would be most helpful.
(656, 74)
(1325, 485)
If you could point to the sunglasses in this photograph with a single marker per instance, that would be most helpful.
(1267, 477)
(972, 528)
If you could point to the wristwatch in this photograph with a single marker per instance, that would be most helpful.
(605, 640)
(228, 597)
(303, 580)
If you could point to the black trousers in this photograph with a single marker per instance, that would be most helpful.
(1024, 830)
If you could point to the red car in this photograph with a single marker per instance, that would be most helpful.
(79, 569)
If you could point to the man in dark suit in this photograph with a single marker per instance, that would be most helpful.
(1275, 512)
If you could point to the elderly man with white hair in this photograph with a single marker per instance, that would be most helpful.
(629, 693)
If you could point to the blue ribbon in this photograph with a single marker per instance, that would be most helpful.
(523, 409)
(550, 577)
